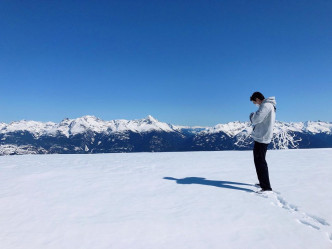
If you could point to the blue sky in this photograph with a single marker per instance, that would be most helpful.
(184, 62)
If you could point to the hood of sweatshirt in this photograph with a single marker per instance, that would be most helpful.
(271, 100)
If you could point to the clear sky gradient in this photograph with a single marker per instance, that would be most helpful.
(184, 62)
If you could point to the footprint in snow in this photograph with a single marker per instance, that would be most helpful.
(309, 220)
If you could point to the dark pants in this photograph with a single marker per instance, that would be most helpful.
(261, 165)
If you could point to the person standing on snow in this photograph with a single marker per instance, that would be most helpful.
(263, 122)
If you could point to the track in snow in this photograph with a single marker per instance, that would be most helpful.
(309, 220)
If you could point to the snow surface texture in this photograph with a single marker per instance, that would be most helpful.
(193, 200)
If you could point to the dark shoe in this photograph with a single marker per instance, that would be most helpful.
(266, 189)
(263, 190)
(257, 185)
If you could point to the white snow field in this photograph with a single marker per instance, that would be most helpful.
(179, 200)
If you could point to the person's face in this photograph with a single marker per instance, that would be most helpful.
(257, 101)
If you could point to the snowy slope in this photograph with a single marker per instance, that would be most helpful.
(194, 200)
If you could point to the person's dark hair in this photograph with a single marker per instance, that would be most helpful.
(257, 95)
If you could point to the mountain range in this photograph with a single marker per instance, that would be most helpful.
(89, 134)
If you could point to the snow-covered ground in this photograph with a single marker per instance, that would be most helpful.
(165, 200)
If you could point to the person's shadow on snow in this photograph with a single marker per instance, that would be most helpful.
(219, 184)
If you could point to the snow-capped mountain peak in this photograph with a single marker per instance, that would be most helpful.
(79, 125)
(151, 119)
(91, 134)
(230, 128)
(34, 127)
(148, 124)
(82, 124)
(318, 127)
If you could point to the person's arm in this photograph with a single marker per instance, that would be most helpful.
(251, 116)
(257, 117)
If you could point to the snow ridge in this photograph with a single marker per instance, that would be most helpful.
(86, 123)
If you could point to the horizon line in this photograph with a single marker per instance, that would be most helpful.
(152, 117)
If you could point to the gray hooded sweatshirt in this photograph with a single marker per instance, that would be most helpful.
(263, 121)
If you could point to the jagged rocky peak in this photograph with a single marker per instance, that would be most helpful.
(65, 121)
(89, 117)
(86, 120)
(151, 119)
